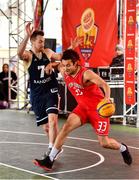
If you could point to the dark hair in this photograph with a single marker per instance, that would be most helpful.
(5, 65)
(35, 34)
(70, 54)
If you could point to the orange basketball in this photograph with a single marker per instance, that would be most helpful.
(105, 108)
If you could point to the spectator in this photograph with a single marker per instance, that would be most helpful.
(4, 77)
(118, 60)
(3, 103)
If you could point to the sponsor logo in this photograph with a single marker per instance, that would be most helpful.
(42, 81)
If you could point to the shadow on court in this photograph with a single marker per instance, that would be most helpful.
(21, 141)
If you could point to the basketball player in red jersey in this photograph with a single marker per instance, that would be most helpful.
(85, 86)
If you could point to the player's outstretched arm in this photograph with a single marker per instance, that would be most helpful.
(24, 55)
(73, 44)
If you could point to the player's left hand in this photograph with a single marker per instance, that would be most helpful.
(48, 69)
(108, 99)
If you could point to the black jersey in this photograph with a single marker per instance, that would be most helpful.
(40, 82)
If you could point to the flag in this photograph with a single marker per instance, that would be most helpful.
(96, 23)
(38, 14)
(130, 52)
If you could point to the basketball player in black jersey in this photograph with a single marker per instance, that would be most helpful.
(43, 84)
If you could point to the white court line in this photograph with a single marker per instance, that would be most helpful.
(75, 138)
(39, 134)
(132, 147)
(31, 172)
(22, 132)
(60, 172)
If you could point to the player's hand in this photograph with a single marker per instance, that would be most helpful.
(29, 29)
(76, 42)
(48, 69)
(107, 99)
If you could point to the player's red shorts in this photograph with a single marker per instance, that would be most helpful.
(90, 114)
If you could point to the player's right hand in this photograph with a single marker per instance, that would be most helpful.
(76, 42)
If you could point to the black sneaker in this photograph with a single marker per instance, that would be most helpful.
(45, 163)
(127, 156)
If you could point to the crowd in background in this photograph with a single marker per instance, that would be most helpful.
(6, 92)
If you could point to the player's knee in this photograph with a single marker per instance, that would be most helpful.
(66, 127)
(53, 122)
(104, 143)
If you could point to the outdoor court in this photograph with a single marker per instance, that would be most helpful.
(21, 141)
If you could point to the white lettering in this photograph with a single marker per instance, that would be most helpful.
(42, 81)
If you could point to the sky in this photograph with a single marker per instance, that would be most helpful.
(4, 25)
(52, 26)
(3, 4)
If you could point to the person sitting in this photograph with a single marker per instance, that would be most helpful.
(118, 60)
(4, 76)
(3, 102)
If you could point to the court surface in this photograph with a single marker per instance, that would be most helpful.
(21, 141)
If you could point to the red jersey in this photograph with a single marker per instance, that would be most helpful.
(86, 95)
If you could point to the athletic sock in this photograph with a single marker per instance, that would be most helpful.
(53, 153)
(122, 148)
(50, 146)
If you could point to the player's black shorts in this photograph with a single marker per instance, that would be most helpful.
(44, 105)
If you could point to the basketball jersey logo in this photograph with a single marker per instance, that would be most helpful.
(78, 92)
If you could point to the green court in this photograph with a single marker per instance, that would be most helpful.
(9, 172)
